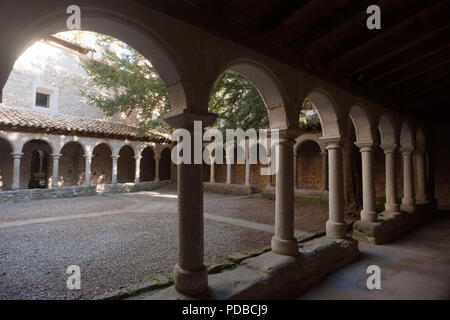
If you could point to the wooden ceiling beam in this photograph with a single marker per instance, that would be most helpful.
(400, 34)
(422, 41)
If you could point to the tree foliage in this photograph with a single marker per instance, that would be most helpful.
(237, 103)
(130, 84)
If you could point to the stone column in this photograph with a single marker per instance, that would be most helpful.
(421, 193)
(190, 274)
(212, 170)
(335, 226)
(157, 158)
(16, 170)
(247, 170)
(283, 242)
(55, 158)
(87, 170)
(269, 154)
(324, 156)
(408, 202)
(137, 169)
(228, 171)
(295, 170)
(369, 210)
(391, 204)
(115, 158)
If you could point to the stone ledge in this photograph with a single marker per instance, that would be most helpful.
(230, 189)
(272, 276)
(390, 225)
(131, 187)
(77, 191)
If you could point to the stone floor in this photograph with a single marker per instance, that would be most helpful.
(416, 266)
(122, 239)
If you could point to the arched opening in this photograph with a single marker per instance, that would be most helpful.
(326, 111)
(148, 164)
(309, 164)
(72, 165)
(126, 165)
(36, 165)
(6, 165)
(165, 165)
(101, 166)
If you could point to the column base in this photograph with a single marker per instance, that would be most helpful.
(190, 282)
(369, 216)
(336, 230)
(391, 207)
(285, 247)
(408, 205)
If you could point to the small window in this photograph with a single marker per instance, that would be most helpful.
(42, 100)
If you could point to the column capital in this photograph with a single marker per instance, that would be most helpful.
(188, 116)
(115, 156)
(406, 150)
(16, 155)
(157, 157)
(88, 156)
(56, 155)
(389, 148)
(137, 157)
(331, 142)
(364, 146)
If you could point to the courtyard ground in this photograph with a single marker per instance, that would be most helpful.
(122, 239)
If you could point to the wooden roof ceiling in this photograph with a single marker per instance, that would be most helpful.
(404, 66)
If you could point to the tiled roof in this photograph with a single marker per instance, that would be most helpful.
(20, 118)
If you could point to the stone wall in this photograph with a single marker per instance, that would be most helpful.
(77, 191)
(101, 167)
(52, 69)
(309, 166)
(71, 165)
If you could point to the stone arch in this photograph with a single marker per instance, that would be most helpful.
(36, 165)
(267, 85)
(387, 130)
(106, 19)
(72, 164)
(362, 122)
(308, 137)
(6, 164)
(406, 135)
(101, 166)
(327, 110)
(39, 138)
(126, 164)
(148, 164)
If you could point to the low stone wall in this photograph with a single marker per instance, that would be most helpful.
(231, 189)
(273, 276)
(40, 194)
(299, 195)
(131, 187)
(77, 191)
(391, 225)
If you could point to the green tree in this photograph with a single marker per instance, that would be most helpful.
(237, 103)
(129, 83)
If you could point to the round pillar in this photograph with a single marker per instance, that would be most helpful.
(283, 242)
(335, 226)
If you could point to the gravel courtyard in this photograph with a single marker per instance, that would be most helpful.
(118, 240)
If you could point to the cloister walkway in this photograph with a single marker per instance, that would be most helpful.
(416, 266)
